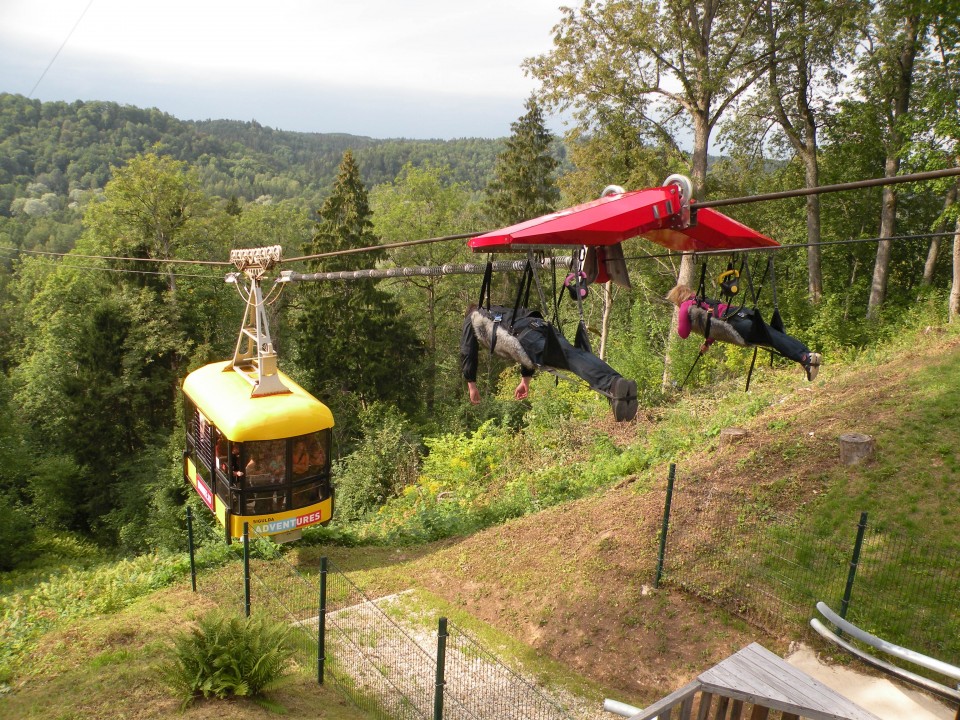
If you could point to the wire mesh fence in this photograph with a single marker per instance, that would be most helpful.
(390, 662)
(771, 567)
(764, 567)
(382, 665)
(484, 687)
(907, 593)
(725, 543)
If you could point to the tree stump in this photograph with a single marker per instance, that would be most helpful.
(732, 436)
(855, 448)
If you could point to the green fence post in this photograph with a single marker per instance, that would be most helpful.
(854, 562)
(246, 568)
(322, 621)
(665, 525)
(193, 563)
(441, 661)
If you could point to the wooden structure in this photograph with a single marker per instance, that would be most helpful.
(732, 435)
(855, 448)
(754, 684)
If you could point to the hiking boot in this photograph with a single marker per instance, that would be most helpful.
(812, 365)
(623, 399)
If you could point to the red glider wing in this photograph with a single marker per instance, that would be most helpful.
(655, 213)
(711, 231)
(605, 221)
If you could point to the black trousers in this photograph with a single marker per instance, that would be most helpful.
(786, 345)
(583, 364)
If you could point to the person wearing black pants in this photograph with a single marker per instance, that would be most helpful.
(526, 338)
(741, 328)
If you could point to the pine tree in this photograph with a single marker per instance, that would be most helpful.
(524, 185)
(351, 341)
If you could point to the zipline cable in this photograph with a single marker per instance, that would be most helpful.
(518, 265)
(172, 261)
(792, 246)
(854, 185)
(428, 270)
(48, 262)
(385, 246)
(57, 53)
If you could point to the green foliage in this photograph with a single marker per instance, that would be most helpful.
(352, 342)
(227, 657)
(383, 463)
(637, 350)
(68, 148)
(70, 578)
(16, 534)
(423, 203)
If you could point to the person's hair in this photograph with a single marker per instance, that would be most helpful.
(679, 294)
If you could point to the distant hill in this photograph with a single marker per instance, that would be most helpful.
(59, 147)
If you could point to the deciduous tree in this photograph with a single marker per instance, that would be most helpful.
(807, 44)
(894, 38)
(659, 65)
(422, 204)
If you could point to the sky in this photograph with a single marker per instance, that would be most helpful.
(381, 68)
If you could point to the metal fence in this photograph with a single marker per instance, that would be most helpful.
(771, 567)
(390, 667)
(765, 563)
(482, 686)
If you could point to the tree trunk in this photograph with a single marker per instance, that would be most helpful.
(888, 217)
(931, 264)
(812, 176)
(888, 213)
(954, 306)
(605, 323)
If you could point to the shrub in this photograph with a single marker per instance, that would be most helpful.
(227, 657)
(384, 463)
(16, 534)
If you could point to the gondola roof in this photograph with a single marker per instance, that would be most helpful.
(223, 396)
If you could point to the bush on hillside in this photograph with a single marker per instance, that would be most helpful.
(385, 461)
(227, 657)
(16, 535)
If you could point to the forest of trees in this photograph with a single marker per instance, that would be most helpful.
(99, 201)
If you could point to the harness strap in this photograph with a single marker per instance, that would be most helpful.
(523, 292)
(497, 319)
(776, 321)
(536, 278)
(485, 286)
(702, 287)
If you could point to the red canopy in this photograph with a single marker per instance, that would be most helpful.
(655, 213)
(605, 221)
(711, 231)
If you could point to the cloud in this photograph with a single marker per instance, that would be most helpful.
(376, 67)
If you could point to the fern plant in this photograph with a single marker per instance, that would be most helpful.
(227, 657)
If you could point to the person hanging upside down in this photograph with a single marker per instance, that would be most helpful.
(743, 328)
(532, 342)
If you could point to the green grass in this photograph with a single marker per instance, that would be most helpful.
(82, 637)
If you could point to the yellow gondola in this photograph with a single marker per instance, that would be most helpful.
(257, 444)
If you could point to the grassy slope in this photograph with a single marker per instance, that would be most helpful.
(570, 581)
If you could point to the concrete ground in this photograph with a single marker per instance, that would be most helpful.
(884, 698)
